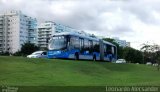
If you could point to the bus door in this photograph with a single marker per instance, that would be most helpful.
(84, 46)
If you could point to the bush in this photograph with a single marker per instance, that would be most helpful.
(18, 53)
(5, 53)
(26, 49)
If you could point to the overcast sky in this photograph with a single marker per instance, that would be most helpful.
(136, 21)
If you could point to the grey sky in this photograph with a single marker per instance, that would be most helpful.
(136, 21)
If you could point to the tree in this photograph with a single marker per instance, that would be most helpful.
(26, 49)
(152, 51)
(138, 56)
(132, 55)
(157, 55)
(4, 53)
(147, 50)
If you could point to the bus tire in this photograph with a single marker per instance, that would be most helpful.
(76, 56)
(94, 57)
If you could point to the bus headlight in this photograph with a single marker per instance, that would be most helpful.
(58, 52)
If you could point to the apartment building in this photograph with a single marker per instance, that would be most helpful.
(122, 43)
(47, 29)
(1, 34)
(16, 28)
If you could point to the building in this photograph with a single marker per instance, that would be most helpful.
(122, 43)
(128, 44)
(16, 29)
(47, 29)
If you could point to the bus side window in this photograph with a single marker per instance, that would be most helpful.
(95, 46)
(113, 50)
(86, 45)
(68, 42)
(109, 49)
(77, 45)
(74, 42)
(105, 49)
(81, 43)
(90, 46)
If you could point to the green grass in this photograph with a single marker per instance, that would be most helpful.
(20, 71)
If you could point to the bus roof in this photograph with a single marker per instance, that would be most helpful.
(106, 42)
(76, 34)
(83, 36)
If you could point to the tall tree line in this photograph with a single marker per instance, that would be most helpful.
(147, 53)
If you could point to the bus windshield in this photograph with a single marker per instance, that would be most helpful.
(58, 43)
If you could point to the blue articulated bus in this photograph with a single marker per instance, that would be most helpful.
(77, 46)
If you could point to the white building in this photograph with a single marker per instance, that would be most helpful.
(16, 29)
(47, 29)
(122, 43)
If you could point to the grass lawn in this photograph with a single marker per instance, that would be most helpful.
(20, 71)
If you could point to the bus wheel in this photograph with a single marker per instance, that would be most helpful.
(76, 56)
(94, 58)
